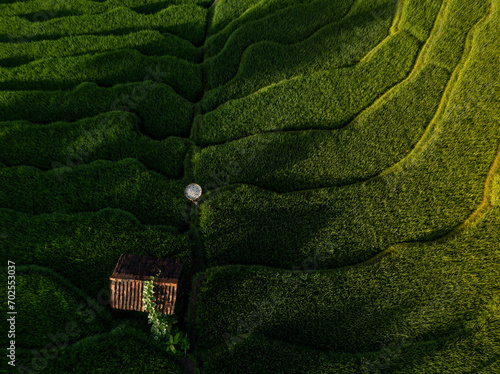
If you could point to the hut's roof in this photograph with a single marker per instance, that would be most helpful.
(137, 267)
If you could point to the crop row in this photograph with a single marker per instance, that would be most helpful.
(71, 244)
(428, 192)
(109, 136)
(123, 347)
(38, 11)
(322, 100)
(185, 21)
(148, 42)
(41, 291)
(105, 69)
(286, 26)
(354, 309)
(162, 111)
(126, 184)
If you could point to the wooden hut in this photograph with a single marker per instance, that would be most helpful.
(127, 282)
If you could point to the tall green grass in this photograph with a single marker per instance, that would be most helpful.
(148, 42)
(288, 161)
(355, 309)
(162, 111)
(286, 26)
(122, 349)
(110, 136)
(126, 184)
(336, 45)
(323, 100)
(105, 69)
(84, 247)
(185, 21)
(40, 292)
(222, 26)
(40, 11)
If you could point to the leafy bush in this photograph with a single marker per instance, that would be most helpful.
(162, 325)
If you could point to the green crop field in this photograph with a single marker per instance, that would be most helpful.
(349, 156)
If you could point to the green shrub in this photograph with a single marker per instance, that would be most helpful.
(185, 21)
(148, 42)
(110, 136)
(126, 184)
(85, 247)
(105, 69)
(162, 111)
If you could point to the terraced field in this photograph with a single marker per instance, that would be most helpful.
(349, 155)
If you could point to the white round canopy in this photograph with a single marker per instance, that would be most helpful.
(192, 191)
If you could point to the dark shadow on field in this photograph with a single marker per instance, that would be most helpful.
(323, 41)
(286, 170)
(347, 40)
(262, 232)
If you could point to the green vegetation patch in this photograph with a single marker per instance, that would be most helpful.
(357, 308)
(46, 303)
(286, 161)
(286, 26)
(148, 42)
(85, 247)
(185, 21)
(38, 11)
(336, 45)
(326, 99)
(124, 348)
(106, 69)
(162, 111)
(126, 184)
(110, 136)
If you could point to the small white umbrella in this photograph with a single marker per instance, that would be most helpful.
(193, 192)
